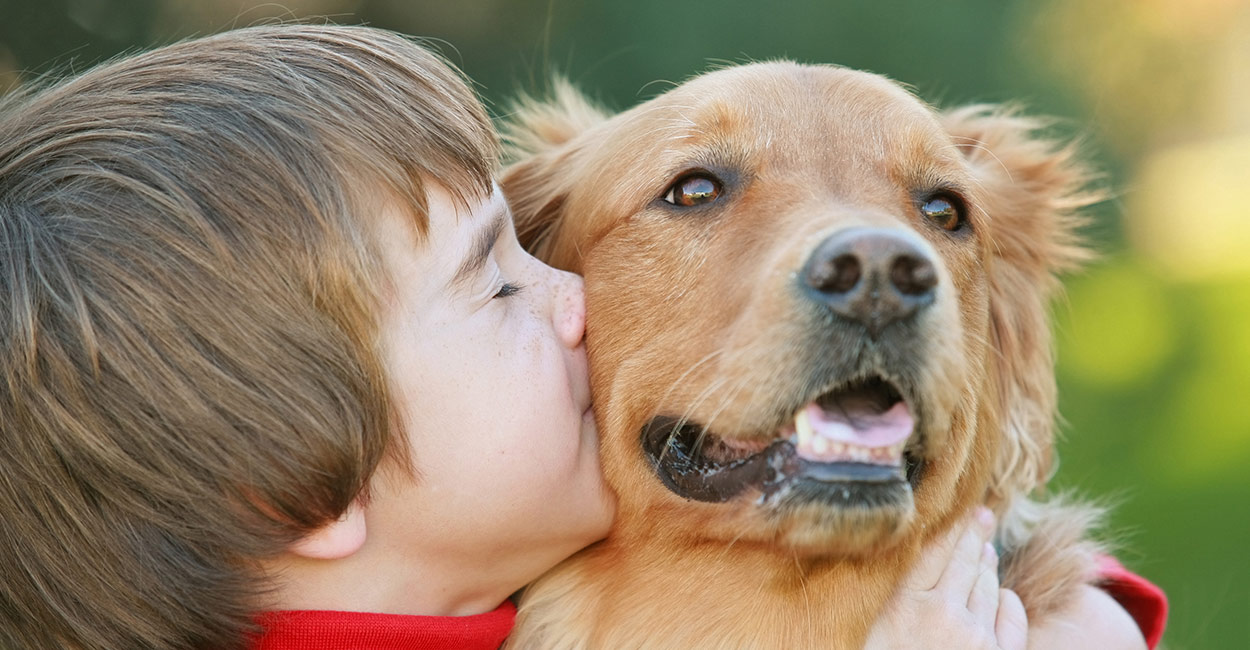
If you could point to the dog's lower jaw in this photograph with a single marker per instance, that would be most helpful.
(764, 599)
(816, 532)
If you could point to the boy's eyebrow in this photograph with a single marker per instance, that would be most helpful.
(483, 243)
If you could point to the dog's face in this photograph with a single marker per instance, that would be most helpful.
(799, 306)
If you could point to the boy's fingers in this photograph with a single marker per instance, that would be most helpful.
(1012, 624)
(936, 555)
(983, 601)
(963, 569)
(933, 560)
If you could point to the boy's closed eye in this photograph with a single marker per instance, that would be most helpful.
(480, 251)
(509, 289)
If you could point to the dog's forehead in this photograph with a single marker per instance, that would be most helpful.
(791, 108)
(780, 83)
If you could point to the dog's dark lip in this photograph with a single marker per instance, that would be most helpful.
(671, 445)
(675, 448)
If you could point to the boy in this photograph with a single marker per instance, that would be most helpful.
(194, 377)
(269, 344)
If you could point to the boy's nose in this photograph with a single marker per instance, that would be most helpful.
(569, 310)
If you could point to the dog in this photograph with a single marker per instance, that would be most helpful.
(818, 336)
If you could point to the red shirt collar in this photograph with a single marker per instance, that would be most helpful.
(329, 630)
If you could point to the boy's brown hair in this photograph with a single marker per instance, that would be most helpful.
(189, 372)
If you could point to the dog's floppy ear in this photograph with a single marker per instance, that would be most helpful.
(540, 145)
(1032, 190)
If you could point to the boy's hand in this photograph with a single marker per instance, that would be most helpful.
(1093, 621)
(951, 599)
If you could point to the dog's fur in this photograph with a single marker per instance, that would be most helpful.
(693, 313)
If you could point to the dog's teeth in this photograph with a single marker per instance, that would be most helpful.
(820, 445)
(817, 447)
(803, 428)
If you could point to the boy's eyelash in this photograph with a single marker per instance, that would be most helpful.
(509, 289)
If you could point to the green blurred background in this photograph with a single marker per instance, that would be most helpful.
(1154, 338)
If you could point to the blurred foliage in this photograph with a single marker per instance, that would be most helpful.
(1154, 340)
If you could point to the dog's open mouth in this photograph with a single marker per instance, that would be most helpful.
(854, 435)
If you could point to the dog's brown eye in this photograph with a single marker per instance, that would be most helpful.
(944, 212)
(695, 189)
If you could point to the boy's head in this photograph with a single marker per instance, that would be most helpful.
(191, 365)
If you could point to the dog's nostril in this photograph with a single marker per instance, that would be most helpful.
(845, 276)
(913, 276)
(835, 275)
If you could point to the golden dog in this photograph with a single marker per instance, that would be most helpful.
(818, 336)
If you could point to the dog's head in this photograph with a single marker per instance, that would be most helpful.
(817, 307)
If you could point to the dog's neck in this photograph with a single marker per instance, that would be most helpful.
(730, 595)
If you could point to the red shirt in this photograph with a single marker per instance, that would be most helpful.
(1145, 602)
(318, 630)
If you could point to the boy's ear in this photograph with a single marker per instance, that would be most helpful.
(337, 539)
(541, 141)
(1031, 190)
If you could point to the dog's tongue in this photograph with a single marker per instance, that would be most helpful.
(856, 431)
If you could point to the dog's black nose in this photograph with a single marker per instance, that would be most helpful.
(871, 276)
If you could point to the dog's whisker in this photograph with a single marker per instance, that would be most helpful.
(686, 374)
(653, 82)
(713, 386)
(647, 111)
(807, 601)
(726, 401)
(728, 547)
(973, 143)
(684, 419)
(716, 387)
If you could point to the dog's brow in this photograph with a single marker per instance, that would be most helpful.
(483, 243)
